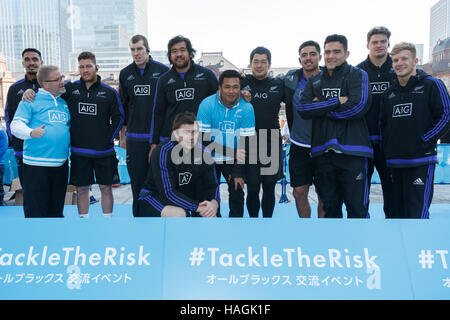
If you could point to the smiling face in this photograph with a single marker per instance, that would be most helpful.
(310, 58)
(335, 55)
(404, 64)
(179, 56)
(229, 90)
(260, 66)
(31, 61)
(54, 83)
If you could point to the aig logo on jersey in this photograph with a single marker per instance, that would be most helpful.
(402, 110)
(184, 94)
(184, 178)
(142, 90)
(379, 87)
(57, 117)
(226, 127)
(261, 95)
(331, 93)
(87, 108)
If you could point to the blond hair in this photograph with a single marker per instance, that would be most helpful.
(404, 46)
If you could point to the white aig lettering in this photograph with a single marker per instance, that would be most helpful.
(87, 108)
(402, 110)
(184, 94)
(331, 93)
(379, 87)
(261, 95)
(56, 116)
(142, 90)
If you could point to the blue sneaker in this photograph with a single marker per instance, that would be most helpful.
(92, 200)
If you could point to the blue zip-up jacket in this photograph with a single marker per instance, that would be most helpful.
(3, 147)
(52, 149)
(338, 127)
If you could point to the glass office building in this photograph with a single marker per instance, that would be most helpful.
(105, 27)
(439, 24)
(43, 24)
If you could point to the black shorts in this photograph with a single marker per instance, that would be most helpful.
(301, 167)
(86, 171)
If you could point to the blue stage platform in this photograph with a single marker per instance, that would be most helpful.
(283, 211)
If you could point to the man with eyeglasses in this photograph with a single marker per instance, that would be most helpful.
(44, 126)
(181, 89)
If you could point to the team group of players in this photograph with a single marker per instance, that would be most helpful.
(184, 127)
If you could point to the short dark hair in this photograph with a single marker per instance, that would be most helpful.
(178, 39)
(138, 37)
(261, 50)
(229, 74)
(87, 55)
(378, 30)
(337, 38)
(183, 118)
(32, 50)
(309, 43)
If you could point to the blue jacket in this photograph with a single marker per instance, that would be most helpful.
(3, 146)
(52, 150)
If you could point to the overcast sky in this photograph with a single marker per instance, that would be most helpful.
(235, 27)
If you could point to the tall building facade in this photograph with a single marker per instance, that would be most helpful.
(104, 27)
(439, 24)
(43, 24)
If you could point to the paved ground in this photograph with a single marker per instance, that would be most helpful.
(122, 194)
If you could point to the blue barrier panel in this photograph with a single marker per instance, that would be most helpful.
(10, 167)
(427, 253)
(209, 259)
(121, 155)
(261, 259)
(81, 259)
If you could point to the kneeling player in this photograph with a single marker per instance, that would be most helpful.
(179, 183)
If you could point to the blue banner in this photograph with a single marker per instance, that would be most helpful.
(81, 259)
(209, 259)
(300, 260)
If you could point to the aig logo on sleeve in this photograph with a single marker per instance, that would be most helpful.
(87, 108)
(331, 93)
(142, 90)
(184, 94)
(402, 110)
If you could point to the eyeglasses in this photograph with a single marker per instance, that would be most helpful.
(175, 51)
(56, 80)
